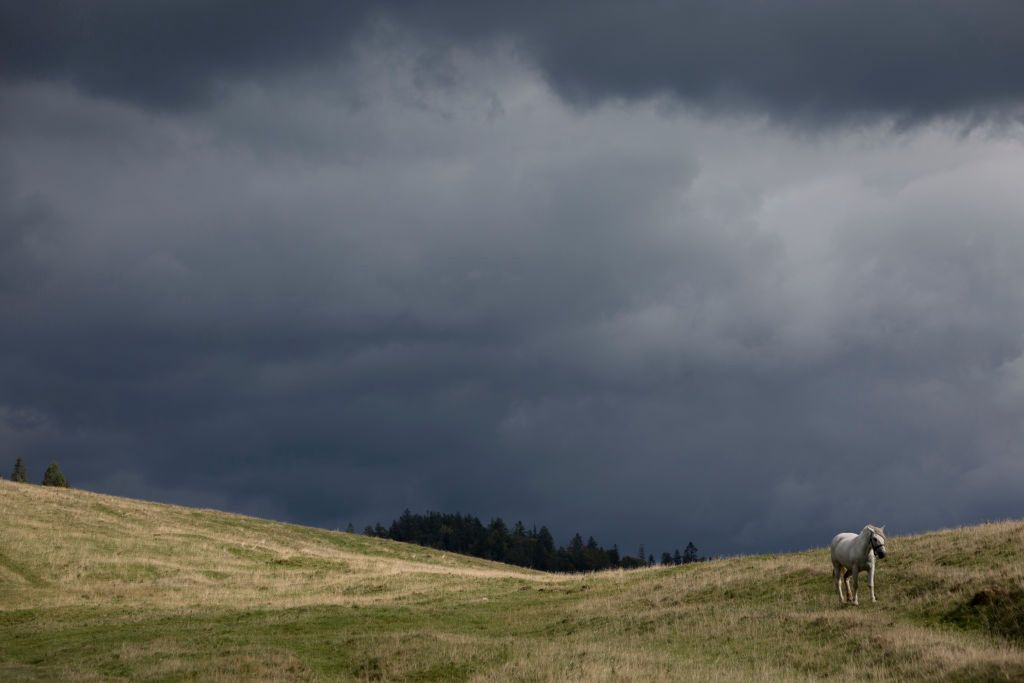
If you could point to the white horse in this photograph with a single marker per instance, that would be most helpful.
(853, 554)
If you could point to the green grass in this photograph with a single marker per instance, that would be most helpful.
(98, 588)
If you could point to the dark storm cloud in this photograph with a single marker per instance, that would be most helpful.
(168, 54)
(650, 328)
(798, 60)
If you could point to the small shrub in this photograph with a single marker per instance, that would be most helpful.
(998, 610)
(54, 477)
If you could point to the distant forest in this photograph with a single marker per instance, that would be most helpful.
(520, 546)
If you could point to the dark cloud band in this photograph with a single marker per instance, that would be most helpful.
(799, 60)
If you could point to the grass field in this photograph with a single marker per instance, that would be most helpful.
(98, 588)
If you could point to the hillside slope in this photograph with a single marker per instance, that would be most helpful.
(94, 587)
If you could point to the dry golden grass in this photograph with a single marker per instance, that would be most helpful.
(115, 550)
(95, 587)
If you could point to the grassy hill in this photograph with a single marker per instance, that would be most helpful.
(98, 588)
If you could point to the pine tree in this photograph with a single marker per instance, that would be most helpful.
(520, 552)
(690, 553)
(20, 472)
(497, 540)
(650, 560)
(575, 552)
(666, 559)
(54, 477)
(544, 550)
(677, 558)
(350, 529)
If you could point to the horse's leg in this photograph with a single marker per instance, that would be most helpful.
(837, 574)
(846, 580)
(856, 575)
(871, 580)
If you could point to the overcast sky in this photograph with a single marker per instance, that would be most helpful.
(735, 272)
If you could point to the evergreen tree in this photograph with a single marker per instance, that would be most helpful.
(404, 528)
(650, 560)
(641, 554)
(54, 477)
(630, 562)
(576, 544)
(666, 559)
(575, 552)
(595, 558)
(520, 552)
(544, 550)
(377, 530)
(350, 529)
(677, 558)
(497, 540)
(690, 553)
(20, 473)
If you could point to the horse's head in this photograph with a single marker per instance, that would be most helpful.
(877, 540)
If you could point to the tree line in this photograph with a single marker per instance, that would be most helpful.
(51, 477)
(526, 547)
